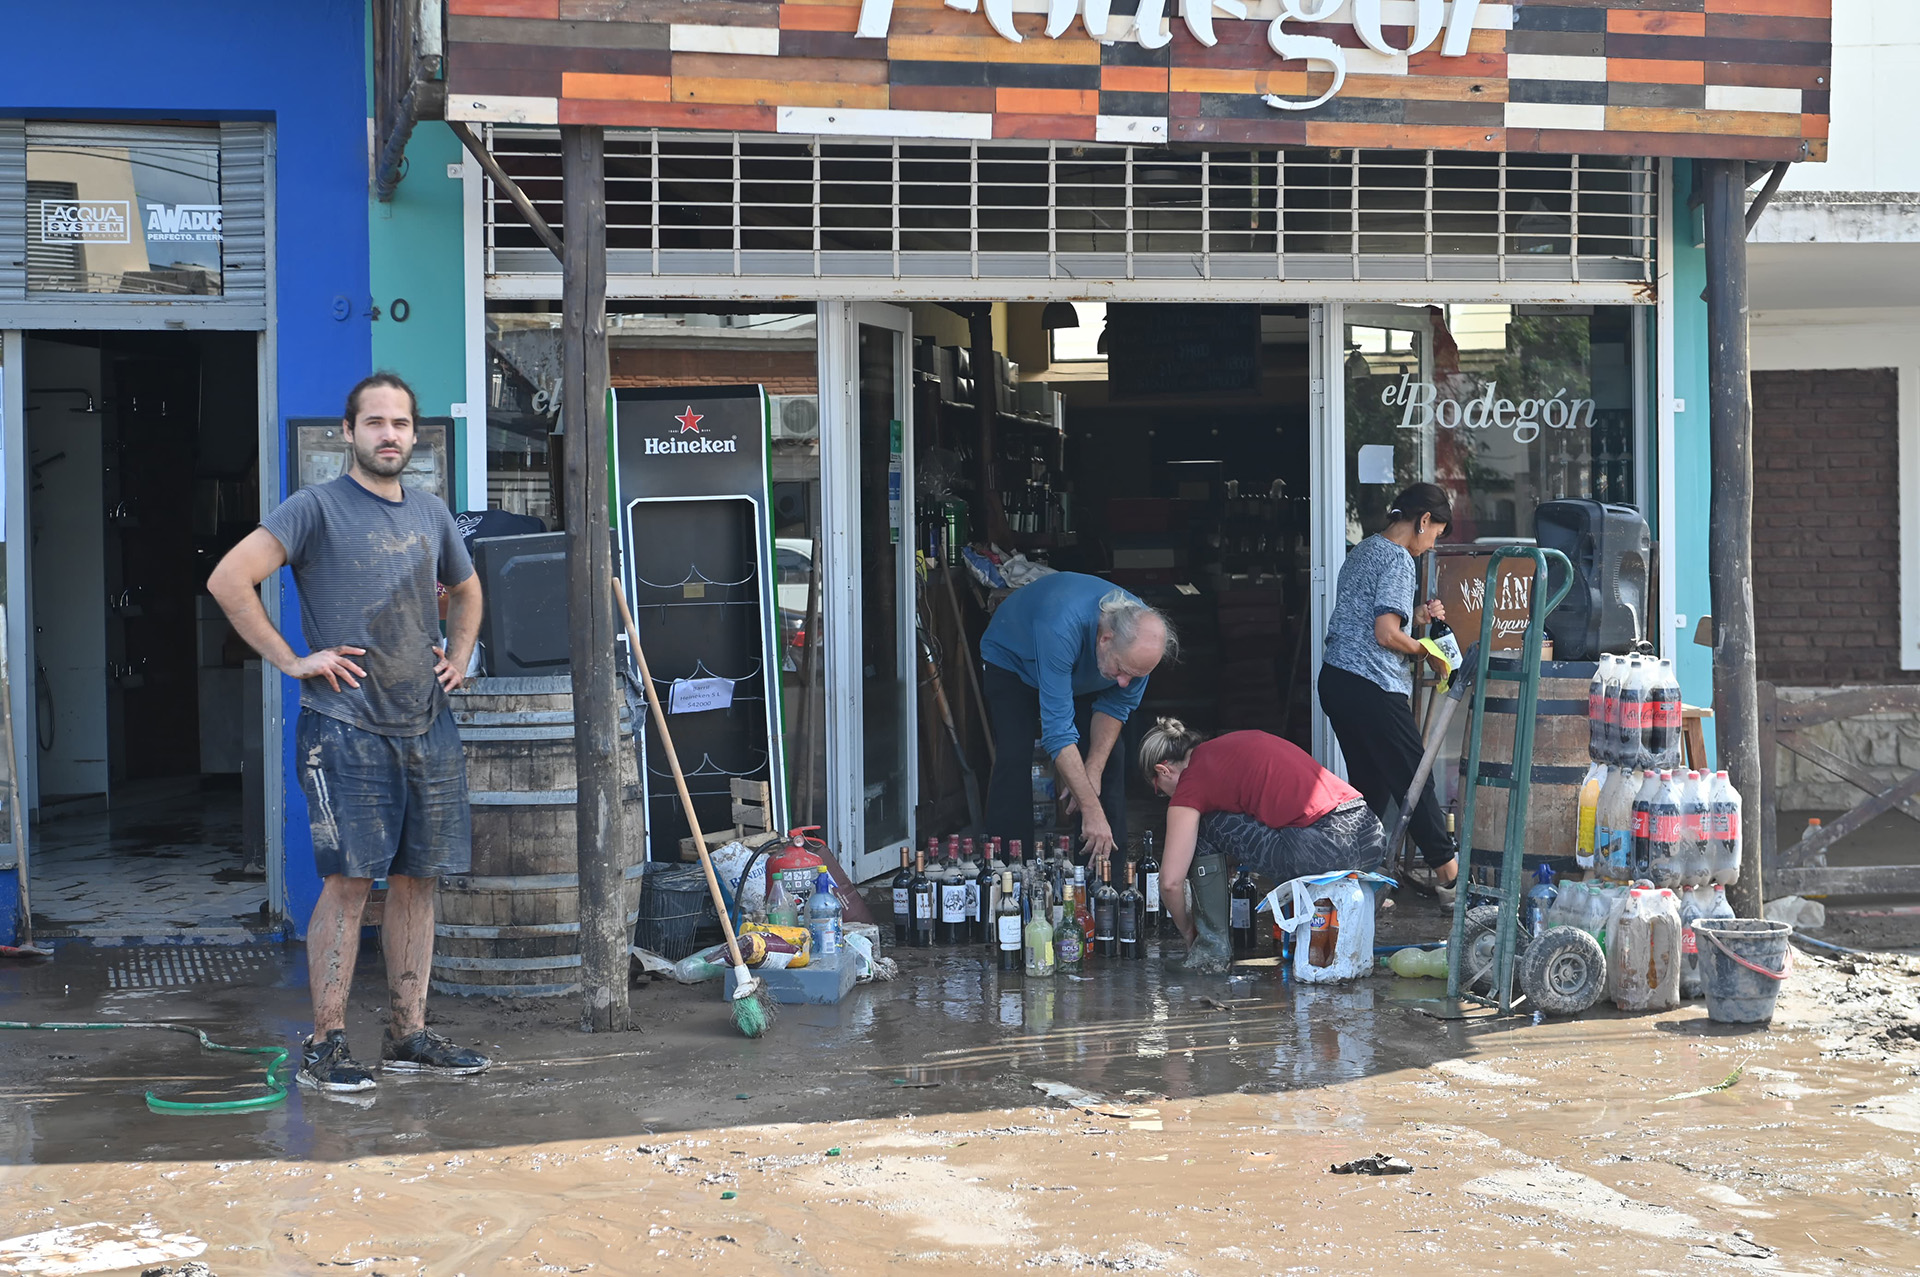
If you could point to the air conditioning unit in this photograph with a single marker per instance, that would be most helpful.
(795, 416)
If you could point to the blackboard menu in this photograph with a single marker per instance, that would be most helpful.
(1156, 352)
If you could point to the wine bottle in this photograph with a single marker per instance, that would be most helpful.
(1038, 947)
(1069, 942)
(903, 900)
(1106, 909)
(1150, 889)
(953, 898)
(1241, 895)
(1007, 924)
(1442, 635)
(921, 889)
(1127, 919)
(986, 895)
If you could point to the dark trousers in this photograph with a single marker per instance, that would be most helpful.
(1014, 711)
(1382, 745)
(1348, 837)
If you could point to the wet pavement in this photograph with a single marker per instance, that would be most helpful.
(905, 1126)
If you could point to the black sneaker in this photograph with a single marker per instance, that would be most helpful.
(428, 1052)
(331, 1066)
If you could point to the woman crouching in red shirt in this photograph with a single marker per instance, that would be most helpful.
(1253, 799)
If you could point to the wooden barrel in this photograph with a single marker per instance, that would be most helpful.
(510, 926)
(1559, 765)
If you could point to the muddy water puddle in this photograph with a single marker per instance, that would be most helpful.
(906, 1127)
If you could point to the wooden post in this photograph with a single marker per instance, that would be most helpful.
(598, 811)
(1736, 696)
(1763, 827)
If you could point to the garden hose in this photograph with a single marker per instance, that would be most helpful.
(276, 1089)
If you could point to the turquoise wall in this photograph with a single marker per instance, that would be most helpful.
(416, 254)
(1692, 485)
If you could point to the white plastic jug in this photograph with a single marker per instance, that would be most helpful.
(1643, 951)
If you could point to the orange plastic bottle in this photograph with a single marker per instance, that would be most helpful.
(1326, 933)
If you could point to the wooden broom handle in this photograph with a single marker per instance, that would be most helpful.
(679, 777)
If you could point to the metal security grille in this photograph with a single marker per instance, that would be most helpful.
(749, 215)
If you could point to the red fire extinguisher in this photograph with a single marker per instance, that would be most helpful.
(794, 856)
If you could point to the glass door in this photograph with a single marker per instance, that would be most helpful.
(870, 627)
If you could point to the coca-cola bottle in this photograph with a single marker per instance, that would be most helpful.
(1641, 870)
(1663, 711)
(1723, 816)
(1696, 863)
(1663, 846)
(1597, 747)
(1634, 718)
(1610, 730)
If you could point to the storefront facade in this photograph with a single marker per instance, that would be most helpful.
(1477, 217)
(183, 275)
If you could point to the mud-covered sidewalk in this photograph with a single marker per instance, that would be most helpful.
(908, 1125)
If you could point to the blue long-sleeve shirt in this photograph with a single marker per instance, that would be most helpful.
(1046, 633)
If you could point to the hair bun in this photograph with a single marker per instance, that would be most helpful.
(1172, 726)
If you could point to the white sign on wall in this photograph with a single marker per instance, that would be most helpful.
(86, 222)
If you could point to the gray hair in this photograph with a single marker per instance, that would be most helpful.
(1120, 617)
(1168, 741)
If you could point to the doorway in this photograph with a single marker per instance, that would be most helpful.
(146, 776)
(1165, 448)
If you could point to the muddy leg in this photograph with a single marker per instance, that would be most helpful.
(333, 943)
(406, 938)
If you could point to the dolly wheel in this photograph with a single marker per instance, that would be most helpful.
(1564, 971)
(1483, 941)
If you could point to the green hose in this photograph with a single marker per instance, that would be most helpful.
(276, 1089)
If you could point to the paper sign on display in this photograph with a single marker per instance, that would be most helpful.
(697, 695)
(1376, 463)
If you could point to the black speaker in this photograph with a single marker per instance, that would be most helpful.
(524, 582)
(1611, 551)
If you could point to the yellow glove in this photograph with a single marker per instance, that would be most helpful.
(1446, 677)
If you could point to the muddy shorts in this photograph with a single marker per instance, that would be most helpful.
(1348, 837)
(383, 805)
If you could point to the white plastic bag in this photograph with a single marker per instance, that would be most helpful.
(1351, 894)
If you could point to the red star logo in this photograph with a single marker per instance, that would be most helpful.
(690, 420)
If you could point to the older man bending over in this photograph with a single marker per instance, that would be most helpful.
(1067, 659)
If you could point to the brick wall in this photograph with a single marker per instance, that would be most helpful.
(1826, 527)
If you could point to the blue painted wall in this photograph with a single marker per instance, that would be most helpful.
(301, 65)
(1693, 484)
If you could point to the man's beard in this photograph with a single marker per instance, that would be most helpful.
(373, 463)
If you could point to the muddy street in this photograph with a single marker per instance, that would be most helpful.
(965, 1121)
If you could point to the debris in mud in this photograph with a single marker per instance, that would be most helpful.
(188, 1269)
(1088, 1102)
(1377, 1164)
(1722, 1085)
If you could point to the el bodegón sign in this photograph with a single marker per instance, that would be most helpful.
(1148, 27)
(1734, 79)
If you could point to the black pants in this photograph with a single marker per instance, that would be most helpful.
(1348, 837)
(1014, 709)
(1382, 745)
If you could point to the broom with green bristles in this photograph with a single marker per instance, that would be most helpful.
(752, 1007)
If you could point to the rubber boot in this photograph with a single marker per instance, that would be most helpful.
(1211, 952)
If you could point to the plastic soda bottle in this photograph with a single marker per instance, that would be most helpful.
(1631, 748)
(1597, 709)
(1586, 839)
(1641, 866)
(826, 917)
(1326, 933)
(1696, 866)
(1540, 898)
(1663, 861)
(1610, 711)
(1723, 815)
(1691, 909)
(1663, 710)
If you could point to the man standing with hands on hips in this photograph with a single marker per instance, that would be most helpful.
(379, 755)
(1066, 643)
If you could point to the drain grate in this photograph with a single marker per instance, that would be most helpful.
(181, 966)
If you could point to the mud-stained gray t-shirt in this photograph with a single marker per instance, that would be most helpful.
(366, 568)
(1378, 577)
